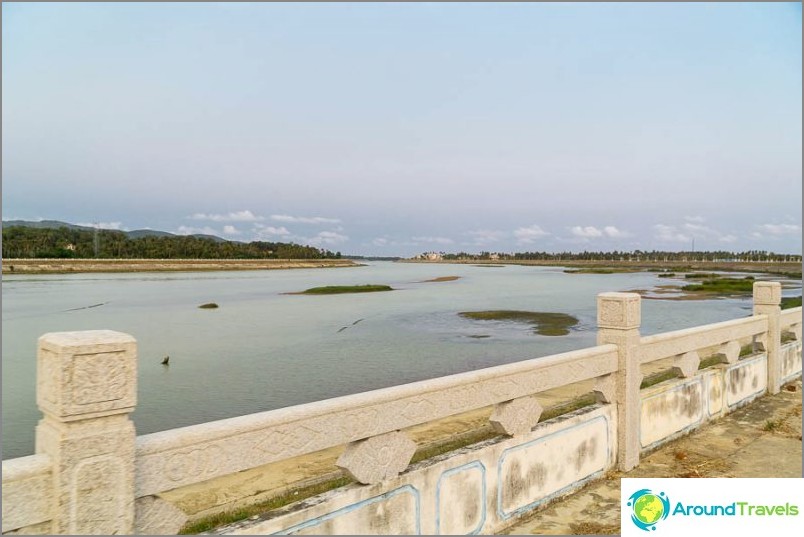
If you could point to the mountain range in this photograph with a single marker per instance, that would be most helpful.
(135, 234)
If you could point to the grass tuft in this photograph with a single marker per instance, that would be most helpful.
(341, 289)
(544, 323)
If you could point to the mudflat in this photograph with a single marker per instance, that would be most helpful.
(67, 266)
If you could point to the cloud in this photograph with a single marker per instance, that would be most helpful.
(695, 219)
(239, 216)
(117, 226)
(304, 219)
(591, 232)
(483, 237)
(615, 233)
(708, 233)
(187, 230)
(586, 232)
(271, 231)
(231, 230)
(432, 240)
(529, 235)
(380, 241)
(328, 238)
(780, 229)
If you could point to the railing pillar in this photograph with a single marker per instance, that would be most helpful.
(86, 387)
(767, 300)
(618, 320)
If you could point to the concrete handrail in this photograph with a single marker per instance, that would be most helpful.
(669, 344)
(790, 317)
(27, 491)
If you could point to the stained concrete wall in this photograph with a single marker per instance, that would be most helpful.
(791, 360)
(673, 408)
(479, 489)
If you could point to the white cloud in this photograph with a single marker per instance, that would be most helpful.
(586, 232)
(707, 233)
(304, 219)
(432, 240)
(187, 230)
(231, 230)
(380, 241)
(328, 238)
(117, 226)
(615, 233)
(780, 229)
(239, 216)
(528, 235)
(271, 231)
(591, 232)
(695, 219)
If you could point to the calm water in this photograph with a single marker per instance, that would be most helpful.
(263, 350)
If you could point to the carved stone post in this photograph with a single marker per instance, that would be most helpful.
(618, 320)
(86, 386)
(767, 300)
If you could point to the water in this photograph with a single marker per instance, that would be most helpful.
(263, 350)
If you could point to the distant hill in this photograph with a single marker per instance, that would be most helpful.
(135, 234)
(44, 224)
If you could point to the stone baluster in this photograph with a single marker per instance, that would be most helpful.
(767, 300)
(618, 320)
(378, 458)
(86, 387)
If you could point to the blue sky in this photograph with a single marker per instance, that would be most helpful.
(392, 129)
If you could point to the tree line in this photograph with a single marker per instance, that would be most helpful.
(636, 255)
(27, 242)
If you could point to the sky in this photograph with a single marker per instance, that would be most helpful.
(396, 129)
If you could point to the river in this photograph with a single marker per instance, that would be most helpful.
(262, 349)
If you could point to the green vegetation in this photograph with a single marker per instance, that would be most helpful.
(64, 242)
(656, 378)
(208, 306)
(772, 425)
(722, 285)
(637, 256)
(667, 275)
(600, 270)
(341, 289)
(701, 275)
(545, 323)
(235, 515)
(791, 302)
(442, 279)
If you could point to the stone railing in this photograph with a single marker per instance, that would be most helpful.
(91, 474)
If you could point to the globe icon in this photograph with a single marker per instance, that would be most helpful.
(648, 509)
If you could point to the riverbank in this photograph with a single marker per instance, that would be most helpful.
(70, 266)
(614, 265)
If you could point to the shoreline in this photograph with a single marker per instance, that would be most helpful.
(78, 266)
(692, 266)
